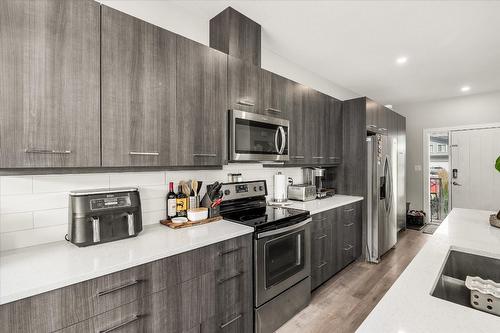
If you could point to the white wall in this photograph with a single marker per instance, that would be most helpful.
(189, 24)
(467, 110)
(34, 209)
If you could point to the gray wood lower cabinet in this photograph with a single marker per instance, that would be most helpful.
(335, 242)
(49, 83)
(204, 290)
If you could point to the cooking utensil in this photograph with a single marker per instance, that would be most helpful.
(194, 187)
(185, 188)
(198, 188)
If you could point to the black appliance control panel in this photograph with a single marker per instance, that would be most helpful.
(111, 202)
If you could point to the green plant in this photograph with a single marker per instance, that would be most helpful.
(497, 164)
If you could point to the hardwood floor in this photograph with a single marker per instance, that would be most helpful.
(342, 303)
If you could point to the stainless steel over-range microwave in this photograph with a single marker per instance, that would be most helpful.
(256, 137)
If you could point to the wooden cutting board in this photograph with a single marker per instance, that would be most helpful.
(172, 225)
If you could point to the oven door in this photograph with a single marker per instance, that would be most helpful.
(282, 259)
(255, 137)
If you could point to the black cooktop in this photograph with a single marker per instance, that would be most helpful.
(267, 217)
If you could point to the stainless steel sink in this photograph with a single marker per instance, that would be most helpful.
(451, 283)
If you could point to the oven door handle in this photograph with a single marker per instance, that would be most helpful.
(283, 230)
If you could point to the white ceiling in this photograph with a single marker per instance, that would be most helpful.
(355, 43)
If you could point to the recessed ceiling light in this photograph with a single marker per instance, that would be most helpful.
(389, 106)
(401, 60)
(465, 89)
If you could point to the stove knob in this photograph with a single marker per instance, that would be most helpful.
(261, 188)
(227, 192)
(255, 188)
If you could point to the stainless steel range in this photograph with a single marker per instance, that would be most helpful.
(281, 250)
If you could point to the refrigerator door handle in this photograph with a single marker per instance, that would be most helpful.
(388, 184)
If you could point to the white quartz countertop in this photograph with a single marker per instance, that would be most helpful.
(34, 270)
(408, 306)
(321, 205)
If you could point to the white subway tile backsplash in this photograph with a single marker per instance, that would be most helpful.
(136, 178)
(16, 222)
(24, 238)
(32, 202)
(16, 185)
(66, 183)
(149, 205)
(153, 217)
(34, 209)
(46, 218)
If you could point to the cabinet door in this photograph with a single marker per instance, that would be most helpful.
(383, 118)
(401, 205)
(276, 91)
(297, 131)
(243, 85)
(138, 91)
(315, 108)
(321, 256)
(371, 115)
(49, 84)
(334, 131)
(200, 112)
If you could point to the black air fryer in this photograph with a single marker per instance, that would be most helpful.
(103, 215)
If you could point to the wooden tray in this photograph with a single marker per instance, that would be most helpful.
(172, 225)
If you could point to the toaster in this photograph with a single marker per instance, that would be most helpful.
(302, 192)
(103, 215)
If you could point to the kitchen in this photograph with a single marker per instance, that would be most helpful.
(165, 168)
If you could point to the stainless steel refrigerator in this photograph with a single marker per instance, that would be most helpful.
(381, 228)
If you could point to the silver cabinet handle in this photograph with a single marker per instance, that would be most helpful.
(96, 230)
(348, 247)
(273, 110)
(46, 151)
(348, 225)
(231, 321)
(130, 222)
(383, 129)
(318, 157)
(144, 153)
(322, 264)
(129, 321)
(321, 237)
(123, 286)
(223, 253)
(205, 155)
(230, 277)
(334, 158)
(349, 210)
(245, 102)
(298, 157)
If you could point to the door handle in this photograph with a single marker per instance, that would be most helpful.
(130, 223)
(456, 184)
(283, 138)
(96, 230)
(276, 140)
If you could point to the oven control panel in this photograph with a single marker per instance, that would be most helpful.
(243, 190)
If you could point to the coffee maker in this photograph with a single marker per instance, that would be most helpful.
(316, 177)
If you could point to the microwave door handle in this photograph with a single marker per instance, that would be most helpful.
(283, 139)
(276, 139)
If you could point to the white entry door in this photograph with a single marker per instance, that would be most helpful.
(475, 183)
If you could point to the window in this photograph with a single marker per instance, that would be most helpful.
(431, 148)
(442, 148)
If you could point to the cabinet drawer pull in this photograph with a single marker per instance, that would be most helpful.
(231, 321)
(205, 155)
(334, 158)
(348, 225)
(129, 321)
(383, 129)
(230, 278)
(246, 103)
(372, 126)
(318, 157)
(112, 290)
(348, 247)
(298, 157)
(322, 264)
(349, 210)
(46, 151)
(223, 253)
(273, 110)
(321, 237)
(144, 153)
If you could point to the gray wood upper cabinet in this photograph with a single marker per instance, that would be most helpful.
(276, 92)
(333, 131)
(49, 83)
(235, 34)
(138, 91)
(200, 113)
(314, 104)
(244, 91)
(296, 115)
